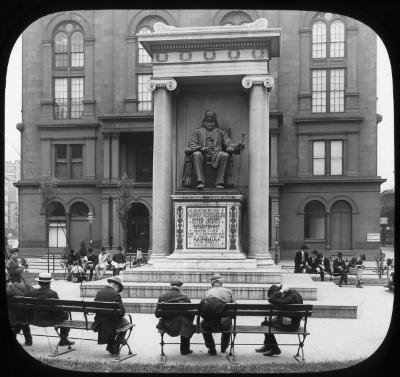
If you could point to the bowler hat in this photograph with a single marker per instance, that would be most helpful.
(44, 277)
(117, 281)
(215, 277)
(304, 247)
(176, 283)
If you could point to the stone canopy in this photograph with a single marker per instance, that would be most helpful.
(233, 50)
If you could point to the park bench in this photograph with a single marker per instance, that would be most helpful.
(28, 304)
(235, 311)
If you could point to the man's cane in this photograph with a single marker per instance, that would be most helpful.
(240, 161)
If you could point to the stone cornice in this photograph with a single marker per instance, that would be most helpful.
(336, 180)
(265, 80)
(145, 115)
(62, 182)
(169, 84)
(209, 45)
(69, 123)
(328, 117)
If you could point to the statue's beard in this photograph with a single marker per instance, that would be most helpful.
(209, 125)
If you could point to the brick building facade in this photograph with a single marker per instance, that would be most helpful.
(88, 120)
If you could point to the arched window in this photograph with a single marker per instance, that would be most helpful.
(58, 209)
(68, 72)
(314, 220)
(143, 56)
(337, 39)
(236, 18)
(144, 69)
(79, 209)
(319, 40)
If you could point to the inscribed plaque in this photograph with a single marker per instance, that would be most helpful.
(206, 228)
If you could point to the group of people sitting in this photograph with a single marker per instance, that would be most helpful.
(105, 325)
(214, 300)
(318, 264)
(81, 266)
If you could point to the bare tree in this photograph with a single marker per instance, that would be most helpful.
(123, 205)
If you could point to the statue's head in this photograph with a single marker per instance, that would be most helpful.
(210, 120)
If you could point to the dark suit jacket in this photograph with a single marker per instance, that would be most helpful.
(297, 260)
(46, 318)
(326, 264)
(18, 316)
(337, 264)
(108, 323)
(176, 325)
(289, 297)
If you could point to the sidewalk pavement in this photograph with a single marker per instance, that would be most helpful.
(330, 339)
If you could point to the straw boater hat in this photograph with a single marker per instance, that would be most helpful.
(44, 277)
(117, 281)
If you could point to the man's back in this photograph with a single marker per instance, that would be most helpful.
(223, 293)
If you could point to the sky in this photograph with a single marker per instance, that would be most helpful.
(384, 107)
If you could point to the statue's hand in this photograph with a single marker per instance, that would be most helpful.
(241, 146)
(229, 150)
(205, 149)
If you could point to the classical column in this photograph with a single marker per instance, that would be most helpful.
(259, 86)
(274, 157)
(115, 157)
(162, 165)
(104, 221)
(106, 159)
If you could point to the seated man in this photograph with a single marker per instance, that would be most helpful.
(77, 273)
(323, 266)
(16, 266)
(211, 144)
(90, 263)
(46, 318)
(104, 263)
(339, 267)
(17, 318)
(118, 262)
(72, 257)
(107, 324)
(210, 306)
(279, 295)
(177, 325)
(313, 266)
(356, 267)
(139, 256)
(301, 259)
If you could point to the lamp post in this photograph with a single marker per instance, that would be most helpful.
(276, 221)
(90, 221)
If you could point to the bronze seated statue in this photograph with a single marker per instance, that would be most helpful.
(208, 156)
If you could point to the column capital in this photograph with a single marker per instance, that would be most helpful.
(169, 84)
(265, 80)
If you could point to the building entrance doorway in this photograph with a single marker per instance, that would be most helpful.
(341, 226)
(138, 235)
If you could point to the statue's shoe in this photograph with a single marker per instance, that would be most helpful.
(200, 186)
(219, 187)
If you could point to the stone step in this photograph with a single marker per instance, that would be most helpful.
(320, 310)
(196, 290)
(147, 274)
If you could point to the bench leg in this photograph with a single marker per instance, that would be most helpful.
(56, 353)
(231, 356)
(163, 358)
(301, 345)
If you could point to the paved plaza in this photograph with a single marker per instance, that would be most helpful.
(343, 339)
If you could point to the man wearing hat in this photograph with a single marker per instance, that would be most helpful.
(16, 266)
(212, 303)
(279, 295)
(339, 267)
(177, 325)
(17, 318)
(300, 260)
(108, 324)
(47, 318)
